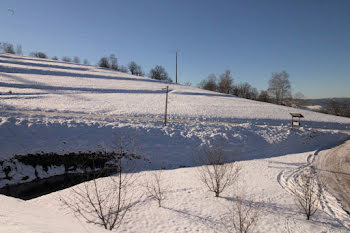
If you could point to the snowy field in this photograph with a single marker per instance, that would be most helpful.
(53, 106)
(189, 207)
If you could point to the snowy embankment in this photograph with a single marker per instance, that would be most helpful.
(60, 107)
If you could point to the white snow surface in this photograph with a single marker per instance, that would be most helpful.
(57, 86)
(18, 216)
(60, 107)
(189, 207)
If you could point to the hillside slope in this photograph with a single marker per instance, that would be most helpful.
(60, 107)
(98, 105)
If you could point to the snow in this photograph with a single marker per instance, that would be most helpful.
(17, 216)
(52, 86)
(314, 107)
(60, 107)
(189, 207)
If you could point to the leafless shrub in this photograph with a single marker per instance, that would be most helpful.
(105, 202)
(243, 214)
(307, 193)
(38, 55)
(7, 48)
(76, 60)
(209, 83)
(155, 188)
(216, 173)
(66, 59)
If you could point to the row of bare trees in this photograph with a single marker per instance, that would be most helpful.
(109, 62)
(279, 89)
(225, 84)
(9, 48)
(6, 47)
(106, 202)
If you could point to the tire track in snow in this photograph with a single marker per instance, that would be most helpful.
(289, 181)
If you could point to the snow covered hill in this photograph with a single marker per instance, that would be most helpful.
(103, 96)
(48, 85)
(60, 107)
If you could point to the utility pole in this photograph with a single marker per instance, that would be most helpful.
(166, 105)
(176, 67)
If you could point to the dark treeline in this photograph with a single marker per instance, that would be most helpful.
(108, 62)
(337, 107)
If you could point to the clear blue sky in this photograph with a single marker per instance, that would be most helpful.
(308, 39)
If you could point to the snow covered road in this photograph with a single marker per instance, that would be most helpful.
(334, 168)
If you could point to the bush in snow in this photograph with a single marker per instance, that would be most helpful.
(7, 48)
(66, 59)
(102, 204)
(243, 214)
(216, 173)
(155, 189)
(135, 69)
(307, 193)
(76, 60)
(209, 83)
(159, 73)
(38, 54)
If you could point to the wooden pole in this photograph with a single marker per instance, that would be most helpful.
(166, 105)
(176, 67)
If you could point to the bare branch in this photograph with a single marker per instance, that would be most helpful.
(155, 189)
(216, 173)
(105, 204)
(307, 193)
(244, 214)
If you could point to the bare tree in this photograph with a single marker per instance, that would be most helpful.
(245, 90)
(113, 62)
(243, 214)
(123, 69)
(55, 58)
(76, 60)
(66, 59)
(7, 48)
(307, 193)
(155, 188)
(132, 67)
(38, 55)
(101, 204)
(225, 82)
(86, 62)
(264, 96)
(209, 83)
(159, 73)
(19, 50)
(135, 69)
(299, 99)
(216, 173)
(104, 63)
(279, 87)
(188, 83)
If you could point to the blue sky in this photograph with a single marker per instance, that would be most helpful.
(308, 39)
